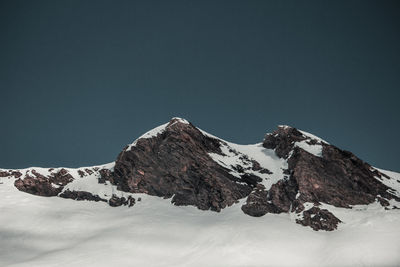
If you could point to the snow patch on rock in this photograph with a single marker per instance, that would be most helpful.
(311, 136)
(316, 149)
(393, 181)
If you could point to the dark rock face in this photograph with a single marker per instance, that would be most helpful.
(81, 195)
(175, 163)
(37, 186)
(282, 140)
(258, 203)
(41, 185)
(283, 193)
(119, 201)
(105, 175)
(337, 178)
(278, 199)
(13, 173)
(319, 219)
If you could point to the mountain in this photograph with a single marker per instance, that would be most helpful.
(182, 197)
(290, 172)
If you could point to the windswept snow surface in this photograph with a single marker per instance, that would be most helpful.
(42, 231)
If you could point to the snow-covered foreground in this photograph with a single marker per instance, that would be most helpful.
(41, 231)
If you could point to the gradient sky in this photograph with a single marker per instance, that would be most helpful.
(81, 79)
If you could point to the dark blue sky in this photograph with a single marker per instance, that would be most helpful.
(81, 79)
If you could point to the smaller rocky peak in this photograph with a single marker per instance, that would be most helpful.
(291, 132)
(286, 138)
(283, 139)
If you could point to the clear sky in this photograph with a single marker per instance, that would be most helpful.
(81, 79)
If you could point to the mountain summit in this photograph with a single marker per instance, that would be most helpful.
(291, 171)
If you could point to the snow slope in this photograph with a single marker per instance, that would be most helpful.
(40, 231)
(51, 231)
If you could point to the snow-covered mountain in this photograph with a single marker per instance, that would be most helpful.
(181, 196)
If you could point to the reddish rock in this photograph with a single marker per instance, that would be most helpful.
(15, 174)
(257, 203)
(282, 140)
(338, 178)
(176, 163)
(4, 174)
(41, 185)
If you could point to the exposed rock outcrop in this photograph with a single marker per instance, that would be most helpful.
(81, 195)
(258, 203)
(336, 177)
(282, 140)
(116, 201)
(319, 219)
(38, 184)
(175, 163)
(15, 174)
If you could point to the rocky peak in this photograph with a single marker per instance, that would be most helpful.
(174, 161)
(284, 139)
(317, 173)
